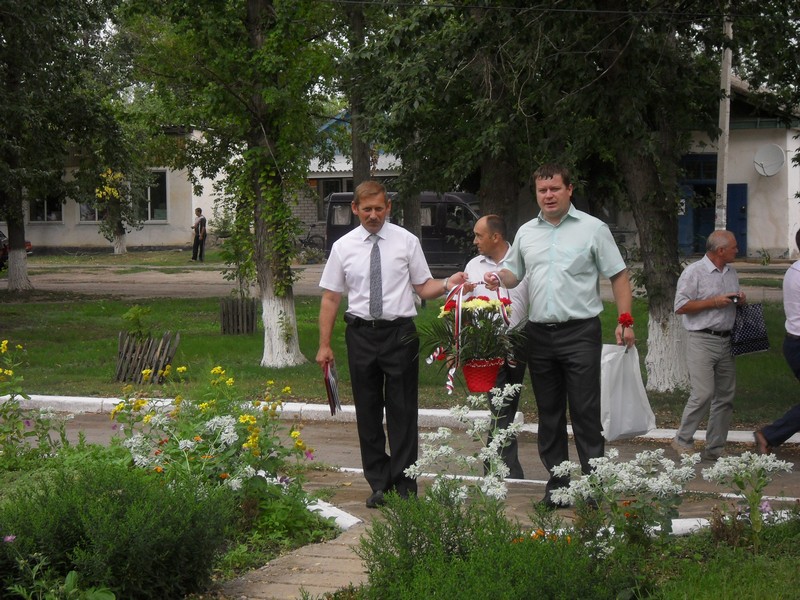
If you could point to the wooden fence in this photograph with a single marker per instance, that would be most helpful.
(135, 354)
(238, 315)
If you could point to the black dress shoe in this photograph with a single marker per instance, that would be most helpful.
(547, 503)
(376, 500)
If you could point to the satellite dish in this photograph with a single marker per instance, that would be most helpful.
(769, 159)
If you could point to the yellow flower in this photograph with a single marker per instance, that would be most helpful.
(148, 417)
(181, 369)
(270, 382)
(204, 406)
(295, 434)
(286, 390)
(3, 346)
(18, 346)
(139, 404)
(146, 373)
(218, 371)
(229, 381)
(247, 419)
(117, 409)
(127, 389)
(9, 372)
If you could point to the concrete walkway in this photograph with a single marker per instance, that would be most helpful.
(321, 568)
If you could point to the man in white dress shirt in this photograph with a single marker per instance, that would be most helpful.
(382, 348)
(785, 427)
(490, 240)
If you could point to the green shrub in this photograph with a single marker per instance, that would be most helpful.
(119, 528)
(283, 516)
(440, 546)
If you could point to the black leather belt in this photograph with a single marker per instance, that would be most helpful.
(375, 323)
(716, 333)
(561, 325)
(792, 336)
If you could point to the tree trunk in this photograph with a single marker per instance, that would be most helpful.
(499, 193)
(18, 280)
(281, 346)
(273, 272)
(120, 246)
(666, 353)
(360, 146)
(272, 216)
(655, 214)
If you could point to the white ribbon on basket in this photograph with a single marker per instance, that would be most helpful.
(458, 293)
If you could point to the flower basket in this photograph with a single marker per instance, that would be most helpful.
(481, 374)
(471, 333)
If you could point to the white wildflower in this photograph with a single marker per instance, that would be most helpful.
(493, 487)
(186, 445)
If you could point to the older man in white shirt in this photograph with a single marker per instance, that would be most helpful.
(490, 240)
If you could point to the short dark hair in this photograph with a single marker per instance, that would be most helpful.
(797, 239)
(496, 224)
(550, 170)
(368, 189)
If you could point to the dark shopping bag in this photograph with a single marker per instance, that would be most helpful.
(749, 333)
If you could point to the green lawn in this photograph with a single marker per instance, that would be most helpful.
(71, 350)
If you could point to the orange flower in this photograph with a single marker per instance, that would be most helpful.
(223, 475)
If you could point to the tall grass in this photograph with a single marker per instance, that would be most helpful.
(72, 344)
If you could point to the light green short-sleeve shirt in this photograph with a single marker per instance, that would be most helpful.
(564, 263)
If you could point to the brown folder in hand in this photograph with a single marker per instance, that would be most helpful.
(332, 387)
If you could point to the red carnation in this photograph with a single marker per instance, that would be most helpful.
(505, 301)
(626, 320)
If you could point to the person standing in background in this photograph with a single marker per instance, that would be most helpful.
(782, 429)
(706, 298)
(563, 252)
(490, 240)
(199, 228)
(379, 265)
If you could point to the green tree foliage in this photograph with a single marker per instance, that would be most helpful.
(613, 89)
(59, 109)
(248, 76)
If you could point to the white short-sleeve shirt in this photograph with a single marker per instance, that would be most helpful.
(403, 265)
(480, 265)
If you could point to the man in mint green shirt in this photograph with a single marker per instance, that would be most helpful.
(564, 251)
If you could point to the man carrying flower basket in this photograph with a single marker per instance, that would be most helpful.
(490, 240)
(563, 251)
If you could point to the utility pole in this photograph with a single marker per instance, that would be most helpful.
(721, 212)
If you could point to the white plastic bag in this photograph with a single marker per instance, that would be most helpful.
(624, 409)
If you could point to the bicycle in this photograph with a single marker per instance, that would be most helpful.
(311, 240)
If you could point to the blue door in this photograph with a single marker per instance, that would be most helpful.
(736, 218)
